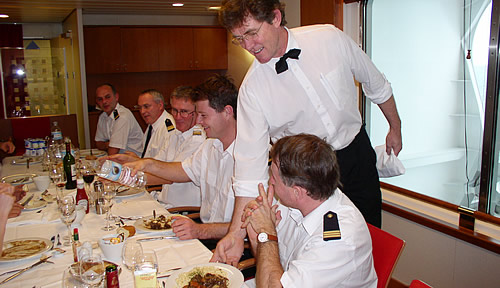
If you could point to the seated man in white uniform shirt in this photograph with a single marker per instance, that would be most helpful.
(117, 129)
(315, 236)
(211, 166)
(151, 105)
(181, 143)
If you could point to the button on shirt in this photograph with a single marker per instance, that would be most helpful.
(309, 261)
(123, 133)
(159, 136)
(316, 95)
(211, 168)
(179, 147)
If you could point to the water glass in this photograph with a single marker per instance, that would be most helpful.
(108, 193)
(67, 209)
(131, 248)
(92, 270)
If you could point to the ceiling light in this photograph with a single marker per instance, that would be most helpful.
(178, 4)
(214, 8)
(4, 16)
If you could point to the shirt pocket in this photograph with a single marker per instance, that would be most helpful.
(337, 87)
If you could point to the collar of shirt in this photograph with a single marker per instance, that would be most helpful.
(291, 43)
(160, 121)
(116, 108)
(219, 146)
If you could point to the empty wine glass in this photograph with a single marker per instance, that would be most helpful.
(146, 261)
(58, 177)
(108, 193)
(92, 270)
(67, 210)
(129, 251)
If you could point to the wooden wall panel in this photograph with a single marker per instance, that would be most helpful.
(321, 12)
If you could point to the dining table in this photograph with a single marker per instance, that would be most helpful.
(44, 222)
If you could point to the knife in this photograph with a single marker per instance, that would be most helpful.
(156, 238)
(27, 200)
(42, 260)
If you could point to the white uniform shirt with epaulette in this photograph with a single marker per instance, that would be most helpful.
(121, 129)
(162, 128)
(211, 168)
(179, 147)
(309, 259)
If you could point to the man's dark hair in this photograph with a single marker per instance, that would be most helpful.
(220, 91)
(183, 92)
(234, 12)
(110, 86)
(309, 162)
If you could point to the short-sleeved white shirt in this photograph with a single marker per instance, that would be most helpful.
(309, 261)
(123, 132)
(159, 135)
(179, 147)
(211, 168)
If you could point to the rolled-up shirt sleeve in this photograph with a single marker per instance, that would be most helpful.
(251, 150)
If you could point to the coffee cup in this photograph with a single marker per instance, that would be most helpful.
(112, 251)
(41, 182)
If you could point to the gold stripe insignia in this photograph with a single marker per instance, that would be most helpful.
(115, 114)
(169, 124)
(331, 229)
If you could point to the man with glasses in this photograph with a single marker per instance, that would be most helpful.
(151, 105)
(117, 128)
(302, 81)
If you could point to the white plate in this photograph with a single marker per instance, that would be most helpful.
(139, 225)
(95, 152)
(129, 192)
(16, 179)
(35, 204)
(23, 160)
(46, 247)
(234, 275)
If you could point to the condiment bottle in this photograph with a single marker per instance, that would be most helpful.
(81, 196)
(112, 276)
(75, 244)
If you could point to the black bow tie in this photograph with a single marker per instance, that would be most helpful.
(281, 65)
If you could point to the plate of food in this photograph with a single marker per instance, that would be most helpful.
(91, 154)
(160, 223)
(19, 179)
(24, 248)
(35, 204)
(125, 191)
(206, 275)
(24, 159)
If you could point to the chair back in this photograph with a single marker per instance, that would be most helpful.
(386, 249)
(419, 284)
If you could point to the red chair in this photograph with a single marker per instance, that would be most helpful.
(386, 249)
(419, 284)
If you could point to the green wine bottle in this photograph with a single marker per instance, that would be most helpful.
(69, 167)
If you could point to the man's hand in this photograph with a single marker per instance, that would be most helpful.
(8, 147)
(229, 250)
(120, 158)
(263, 218)
(19, 192)
(185, 228)
(15, 210)
(393, 141)
(136, 166)
(7, 188)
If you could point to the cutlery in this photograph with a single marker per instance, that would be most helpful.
(53, 240)
(42, 260)
(167, 273)
(156, 238)
(20, 180)
(27, 200)
(58, 242)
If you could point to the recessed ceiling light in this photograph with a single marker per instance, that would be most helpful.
(4, 16)
(214, 8)
(178, 4)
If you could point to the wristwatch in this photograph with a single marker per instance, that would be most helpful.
(263, 237)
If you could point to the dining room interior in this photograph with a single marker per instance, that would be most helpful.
(446, 208)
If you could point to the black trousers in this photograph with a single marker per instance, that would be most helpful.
(359, 177)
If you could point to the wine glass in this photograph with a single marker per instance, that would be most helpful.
(108, 193)
(88, 174)
(58, 177)
(92, 270)
(146, 260)
(67, 208)
(129, 251)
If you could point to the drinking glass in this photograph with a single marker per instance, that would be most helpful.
(92, 270)
(129, 251)
(146, 260)
(67, 208)
(88, 174)
(108, 193)
(58, 177)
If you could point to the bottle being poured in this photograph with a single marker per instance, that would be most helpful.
(116, 172)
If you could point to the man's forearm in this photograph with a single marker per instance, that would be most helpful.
(171, 171)
(155, 180)
(390, 112)
(102, 145)
(212, 230)
(269, 270)
(239, 205)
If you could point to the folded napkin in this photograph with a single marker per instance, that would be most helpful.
(388, 165)
(137, 209)
(47, 215)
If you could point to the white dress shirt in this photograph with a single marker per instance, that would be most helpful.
(123, 133)
(179, 147)
(309, 261)
(211, 168)
(317, 95)
(159, 135)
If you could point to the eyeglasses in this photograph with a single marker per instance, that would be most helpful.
(249, 36)
(183, 113)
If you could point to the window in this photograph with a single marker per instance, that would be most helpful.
(422, 48)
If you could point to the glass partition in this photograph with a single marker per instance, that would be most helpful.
(34, 80)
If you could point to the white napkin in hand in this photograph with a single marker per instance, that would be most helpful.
(388, 165)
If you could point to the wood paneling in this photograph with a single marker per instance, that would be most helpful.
(102, 49)
(11, 35)
(178, 54)
(139, 49)
(322, 12)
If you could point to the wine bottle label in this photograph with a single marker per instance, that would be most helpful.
(73, 172)
(57, 135)
(145, 279)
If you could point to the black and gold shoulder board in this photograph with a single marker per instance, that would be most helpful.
(115, 114)
(269, 161)
(331, 229)
(169, 124)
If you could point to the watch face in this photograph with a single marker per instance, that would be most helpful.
(262, 237)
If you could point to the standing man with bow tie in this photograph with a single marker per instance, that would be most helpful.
(302, 81)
